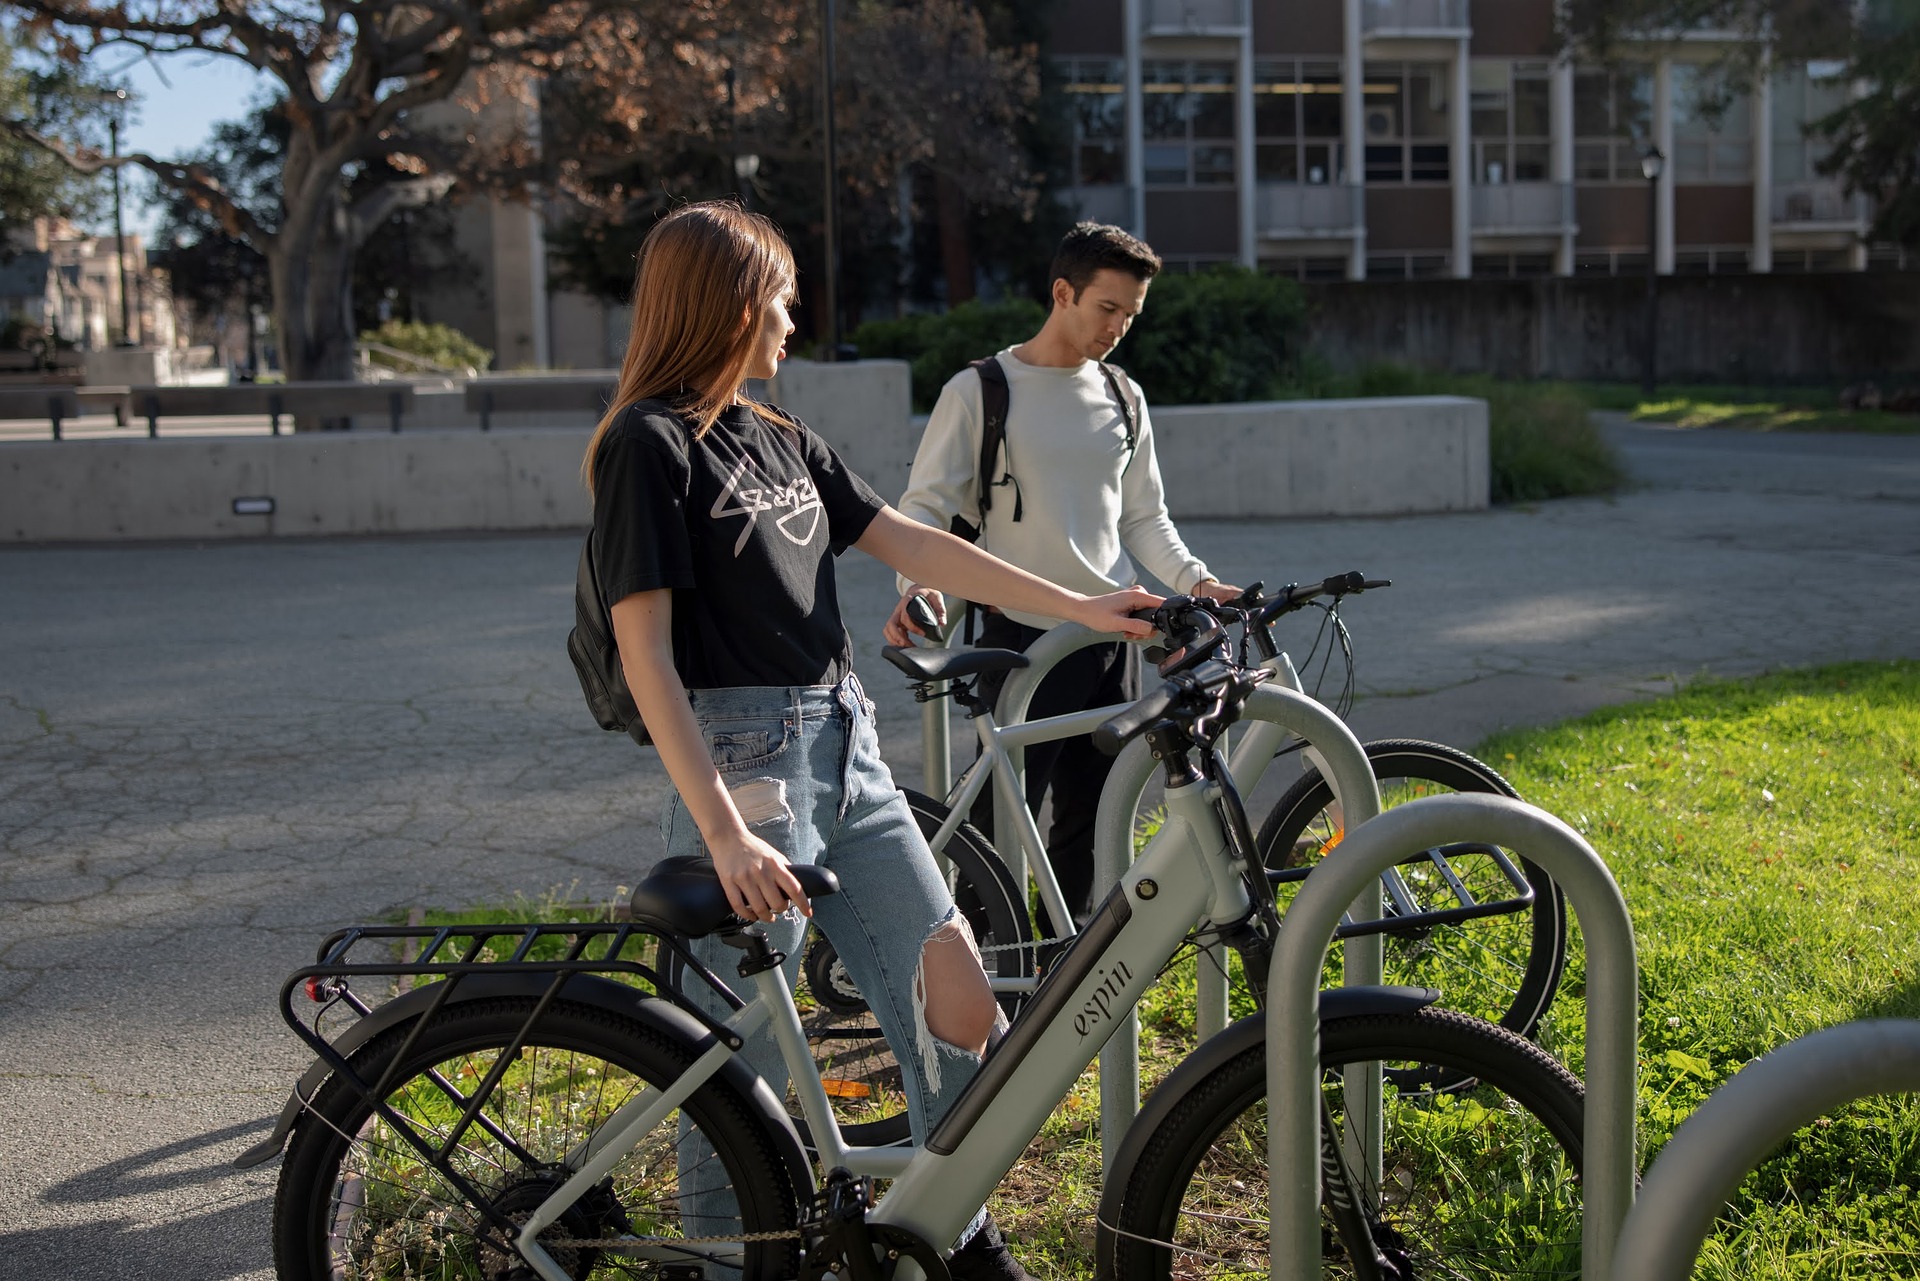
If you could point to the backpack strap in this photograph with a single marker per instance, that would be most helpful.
(995, 397)
(1121, 388)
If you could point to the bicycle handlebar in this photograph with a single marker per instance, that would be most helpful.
(1351, 583)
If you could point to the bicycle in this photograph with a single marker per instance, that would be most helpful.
(532, 1116)
(1464, 918)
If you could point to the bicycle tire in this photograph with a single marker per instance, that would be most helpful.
(1514, 1122)
(1479, 963)
(337, 1217)
(860, 1070)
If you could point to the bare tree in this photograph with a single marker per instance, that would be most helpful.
(393, 88)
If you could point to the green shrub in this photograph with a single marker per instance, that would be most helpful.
(443, 345)
(938, 346)
(1224, 335)
(1541, 442)
(1227, 334)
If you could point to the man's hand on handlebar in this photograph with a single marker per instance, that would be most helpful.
(1216, 591)
(901, 628)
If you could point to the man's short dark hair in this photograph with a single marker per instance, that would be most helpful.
(1092, 247)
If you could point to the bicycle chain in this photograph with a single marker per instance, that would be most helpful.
(614, 1243)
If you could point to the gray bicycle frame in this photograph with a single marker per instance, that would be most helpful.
(1002, 759)
(1184, 878)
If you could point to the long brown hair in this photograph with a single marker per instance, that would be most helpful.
(705, 272)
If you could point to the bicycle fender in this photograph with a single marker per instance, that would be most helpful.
(1246, 1034)
(585, 989)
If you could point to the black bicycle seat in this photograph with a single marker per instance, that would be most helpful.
(950, 664)
(682, 895)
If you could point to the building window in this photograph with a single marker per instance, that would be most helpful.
(1513, 266)
(1188, 109)
(1406, 266)
(1310, 270)
(1612, 123)
(1712, 130)
(1609, 262)
(1297, 123)
(1727, 260)
(1802, 96)
(1512, 122)
(1097, 89)
(1806, 260)
(1406, 122)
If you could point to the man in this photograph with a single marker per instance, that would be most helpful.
(1073, 494)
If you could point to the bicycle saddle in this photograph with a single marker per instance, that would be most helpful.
(682, 895)
(949, 664)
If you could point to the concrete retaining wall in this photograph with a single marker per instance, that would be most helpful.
(1309, 458)
(1386, 457)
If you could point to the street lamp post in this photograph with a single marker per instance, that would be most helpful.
(1652, 161)
(119, 229)
(826, 119)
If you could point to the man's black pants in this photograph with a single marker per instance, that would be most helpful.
(1098, 676)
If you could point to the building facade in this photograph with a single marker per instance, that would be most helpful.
(1412, 139)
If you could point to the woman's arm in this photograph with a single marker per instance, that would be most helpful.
(753, 873)
(938, 559)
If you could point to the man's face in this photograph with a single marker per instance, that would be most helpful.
(1101, 316)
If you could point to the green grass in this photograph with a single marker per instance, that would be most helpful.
(1747, 408)
(1765, 835)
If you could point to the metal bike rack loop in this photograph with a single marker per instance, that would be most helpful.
(1293, 1040)
(1276, 713)
(1743, 1121)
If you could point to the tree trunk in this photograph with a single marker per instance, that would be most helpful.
(956, 254)
(312, 286)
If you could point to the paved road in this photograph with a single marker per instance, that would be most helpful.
(210, 755)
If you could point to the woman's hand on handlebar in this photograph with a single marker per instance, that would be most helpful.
(1119, 612)
(755, 876)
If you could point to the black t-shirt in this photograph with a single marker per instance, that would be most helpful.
(740, 524)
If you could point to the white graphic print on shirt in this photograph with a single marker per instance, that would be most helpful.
(800, 498)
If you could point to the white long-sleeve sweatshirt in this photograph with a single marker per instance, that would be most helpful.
(1088, 509)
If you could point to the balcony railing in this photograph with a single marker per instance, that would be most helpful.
(1195, 17)
(1522, 208)
(1298, 211)
(1816, 203)
(1102, 204)
(1414, 18)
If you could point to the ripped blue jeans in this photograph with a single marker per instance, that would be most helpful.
(804, 767)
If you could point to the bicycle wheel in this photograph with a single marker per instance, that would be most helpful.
(1504, 968)
(857, 1066)
(1480, 1180)
(356, 1202)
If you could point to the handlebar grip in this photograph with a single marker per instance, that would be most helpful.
(921, 614)
(1117, 731)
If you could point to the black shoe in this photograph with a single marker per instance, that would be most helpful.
(985, 1257)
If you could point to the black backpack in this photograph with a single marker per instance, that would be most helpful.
(994, 399)
(595, 660)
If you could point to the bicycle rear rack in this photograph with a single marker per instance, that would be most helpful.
(444, 958)
(1404, 913)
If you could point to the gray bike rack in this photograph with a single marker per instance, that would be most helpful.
(1352, 780)
(1293, 1041)
(1743, 1121)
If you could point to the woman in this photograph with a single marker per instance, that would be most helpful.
(714, 517)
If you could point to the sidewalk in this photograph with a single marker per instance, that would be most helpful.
(211, 756)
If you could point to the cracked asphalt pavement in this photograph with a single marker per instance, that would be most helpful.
(212, 755)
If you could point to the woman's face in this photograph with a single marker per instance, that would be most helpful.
(771, 327)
